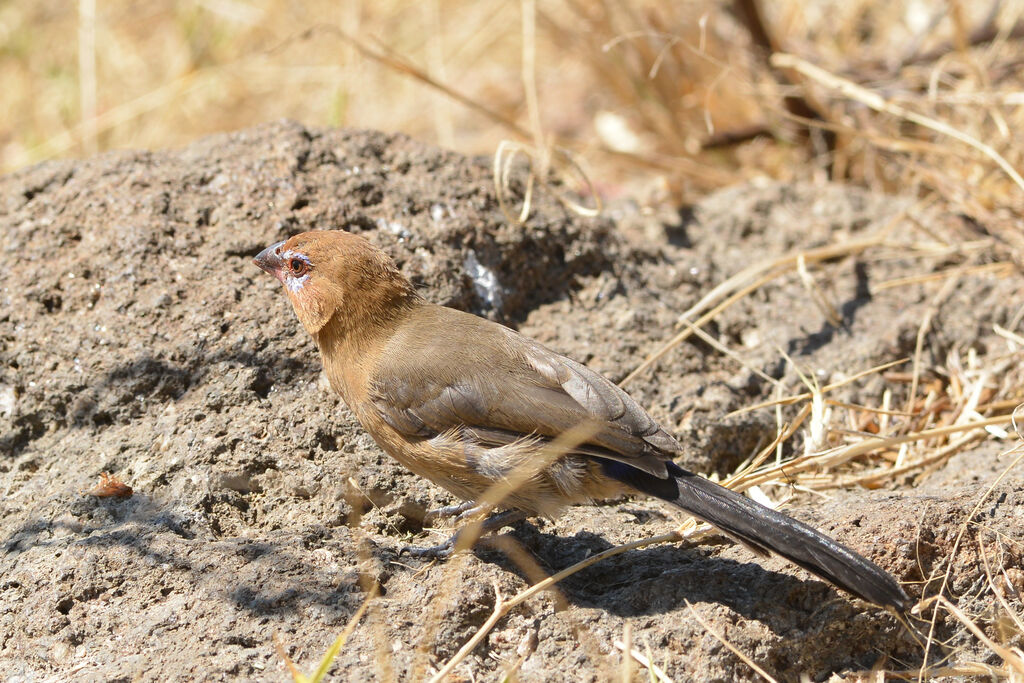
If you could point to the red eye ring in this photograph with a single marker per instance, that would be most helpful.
(298, 266)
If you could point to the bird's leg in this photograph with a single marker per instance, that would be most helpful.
(457, 511)
(444, 550)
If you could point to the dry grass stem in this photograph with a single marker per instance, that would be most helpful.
(432, 620)
(1014, 661)
(498, 492)
(500, 610)
(796, 398)
(626, 646)
(1015, 338)
(325, 663)
(853, 91)
(875, 479)
(732, 648)
(1012, 657)
(541, 165)
(727, 352)
(632, 654)
(396, 62)
(746, 281)
(960, 670)
(784, 264)
(689, 326)
(593, 559)
(783, 434)
(948, 287)
(1007, 609)
(828, 310)
(998, 269)
(502, 607)
(837, 456)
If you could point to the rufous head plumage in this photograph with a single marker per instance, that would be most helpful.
(325, 272)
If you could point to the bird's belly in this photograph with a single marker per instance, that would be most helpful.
(523, 474)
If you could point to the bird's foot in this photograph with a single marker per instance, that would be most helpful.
(443, 551)
(457, 511)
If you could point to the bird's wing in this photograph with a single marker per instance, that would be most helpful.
(499, 387)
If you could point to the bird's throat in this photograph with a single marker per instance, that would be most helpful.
(349, 351)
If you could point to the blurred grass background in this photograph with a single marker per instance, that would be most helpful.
(663, 99)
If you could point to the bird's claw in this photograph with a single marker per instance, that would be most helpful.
(458, 511)
(441, 551)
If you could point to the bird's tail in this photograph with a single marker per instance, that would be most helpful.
(767, 530)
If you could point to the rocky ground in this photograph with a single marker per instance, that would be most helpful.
(137, 339)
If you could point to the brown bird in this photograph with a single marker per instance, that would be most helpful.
(464, 402)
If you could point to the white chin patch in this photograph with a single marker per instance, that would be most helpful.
(295, 284)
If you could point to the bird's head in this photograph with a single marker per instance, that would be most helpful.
(326, 272)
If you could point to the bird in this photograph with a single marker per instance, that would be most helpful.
(465, 402)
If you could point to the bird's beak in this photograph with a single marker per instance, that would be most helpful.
(270, 259)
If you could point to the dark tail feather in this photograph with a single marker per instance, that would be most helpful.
(765, 529)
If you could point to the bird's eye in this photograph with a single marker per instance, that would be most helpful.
(298, 266)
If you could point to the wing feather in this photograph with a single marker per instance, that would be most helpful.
(513, 387)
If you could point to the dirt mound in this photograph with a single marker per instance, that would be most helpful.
(137, 338)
